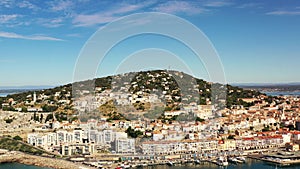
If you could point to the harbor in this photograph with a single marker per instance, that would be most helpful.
(207, 160)
(275, 158)
(279, 158)
(249, 162)
(168, 160)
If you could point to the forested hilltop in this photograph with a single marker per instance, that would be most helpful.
(175, 88)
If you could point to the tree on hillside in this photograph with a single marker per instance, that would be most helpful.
(41, 118)
(17, 138)
(132, 133)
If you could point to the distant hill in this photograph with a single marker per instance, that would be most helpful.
(272, 87)
(24, 87)
(266, 84)
(6, 90)
(171, 83)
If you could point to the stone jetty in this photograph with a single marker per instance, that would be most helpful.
(19, 157)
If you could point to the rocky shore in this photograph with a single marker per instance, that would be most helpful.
(19, 157)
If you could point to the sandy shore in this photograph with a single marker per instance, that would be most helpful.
(27, 159)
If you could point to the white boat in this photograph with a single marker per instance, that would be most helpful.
(170, 163)
(221, 161)
(133, 165)
(241, 158)
(233, 160)
(126, 166)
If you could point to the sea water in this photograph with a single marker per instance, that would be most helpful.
(19, 166)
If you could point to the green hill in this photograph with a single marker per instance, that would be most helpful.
(179, 86)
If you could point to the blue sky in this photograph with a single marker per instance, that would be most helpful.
(257, 41)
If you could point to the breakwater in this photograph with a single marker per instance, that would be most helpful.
(19, 157)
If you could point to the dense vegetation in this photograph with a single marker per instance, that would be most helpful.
(178, 85)
(235, 93)
(14, 144)
(133, 133)
(20, 97)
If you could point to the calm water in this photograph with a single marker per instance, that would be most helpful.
(250, 164)
(18, 166)
(4, 94)
(283, 93)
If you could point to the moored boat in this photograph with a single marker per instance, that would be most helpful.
(170, 163)
(221, 161)
(235, 160)
(241, 158)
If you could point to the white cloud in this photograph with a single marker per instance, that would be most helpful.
(51, 23)
(249, 5)
(18, 4)
(90, 20)
(61, 5)
(26, 4)
(174, 7)
(8, 18)
(108, 15)
(217, 3)
(74, 35)
(7, 3)
(12, 35)
(125, 9)
(284, 13)
(13, 20)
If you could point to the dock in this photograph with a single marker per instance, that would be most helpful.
(281, 159)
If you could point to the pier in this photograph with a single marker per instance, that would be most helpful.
(171, 160)
(279, 158)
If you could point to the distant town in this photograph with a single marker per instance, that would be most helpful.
(147, 120)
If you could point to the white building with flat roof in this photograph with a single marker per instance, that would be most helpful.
(124, 146)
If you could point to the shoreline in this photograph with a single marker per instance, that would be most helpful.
(27, 159)
(281, 163)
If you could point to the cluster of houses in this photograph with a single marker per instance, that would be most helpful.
(177, 137)
(213, 145)
(235, 128)
(169, 136)
(129, 89)
(84, 139)
(34, 102)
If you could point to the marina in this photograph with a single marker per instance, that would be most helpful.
(277, 159)
(280, 158)
(250, 164)
(289, 160)
(171, 161)
(207, 164)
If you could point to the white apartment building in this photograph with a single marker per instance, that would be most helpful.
(76, 149)
(72, 142)
(124, 146)
(178, 147)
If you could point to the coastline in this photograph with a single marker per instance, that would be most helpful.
(19, 157)
(273, 161)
